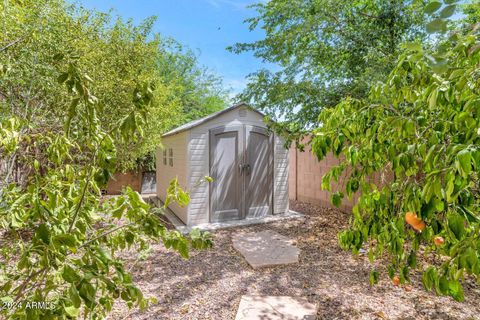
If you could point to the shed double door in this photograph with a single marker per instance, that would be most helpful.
(241, 165)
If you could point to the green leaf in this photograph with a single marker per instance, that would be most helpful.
(450, 179)
(72, 110)
(129, 237)
(182, 248)
(72, 311)
(373, 277)
(336, 199)
(62, 77)
(404, 274)
(87, 293)
(65, 239)
(439, 66)
(58, 56)
(455, 290)
(448, 11)
(7, 286)
(470, 258)
(409, 127)
(456, 225)
(432, 7)
(24, 262)
(70, 275)
(429, 278)
(413, 46)
(437, 187)
(371, 256)
(412, 259)
(443, 285)
(436, 25)
(43, 233)
(74, 296)
(326, 182)
(177, 194)
(464, 162)
(432, 100)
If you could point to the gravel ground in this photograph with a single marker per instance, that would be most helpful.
(209, 285)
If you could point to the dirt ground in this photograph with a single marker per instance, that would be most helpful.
(210, 284)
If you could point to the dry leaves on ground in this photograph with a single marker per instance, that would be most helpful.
(210, 284)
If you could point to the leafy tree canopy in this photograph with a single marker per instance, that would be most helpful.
(117, 54)
(326, 50)
(471, 10)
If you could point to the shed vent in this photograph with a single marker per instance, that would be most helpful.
(242, 112)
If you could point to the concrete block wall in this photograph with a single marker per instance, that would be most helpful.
(121, 180)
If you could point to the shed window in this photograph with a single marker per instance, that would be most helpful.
(165, 157)
(170, 159)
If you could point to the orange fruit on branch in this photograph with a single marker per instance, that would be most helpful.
(396, 281)
(438, 240)
(412, 218)
(414, 221)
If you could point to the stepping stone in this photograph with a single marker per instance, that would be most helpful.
(275, 308)
(265, 248)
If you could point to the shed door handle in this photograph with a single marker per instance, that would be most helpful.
(247, 166)
(244, 166)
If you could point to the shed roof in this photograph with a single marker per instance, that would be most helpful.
(214, 115)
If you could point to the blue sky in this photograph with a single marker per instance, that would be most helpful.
(206, 26)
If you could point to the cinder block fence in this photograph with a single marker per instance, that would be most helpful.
(305, 179)
(121, 180)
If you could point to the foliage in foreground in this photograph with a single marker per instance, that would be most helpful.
(421, 130)
(61, 243)
(63, 246)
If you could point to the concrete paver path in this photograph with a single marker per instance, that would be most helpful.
(265, 248)
(275, 308)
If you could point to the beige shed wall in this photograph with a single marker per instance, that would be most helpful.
(280, 176)
(165, 173)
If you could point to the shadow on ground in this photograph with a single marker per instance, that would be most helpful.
(210, 284)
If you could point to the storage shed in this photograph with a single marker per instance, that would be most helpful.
(248, 164)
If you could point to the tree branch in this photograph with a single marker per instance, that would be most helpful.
(106, 234)
(21, 287)
(369, 16)
(12, 44)
(79, 205)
